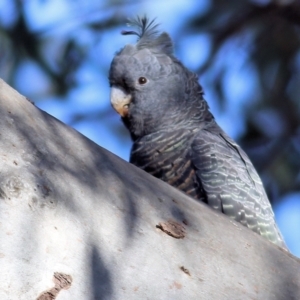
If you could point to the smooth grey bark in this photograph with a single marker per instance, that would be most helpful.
(77, 222)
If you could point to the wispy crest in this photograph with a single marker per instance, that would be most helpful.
(149, 36)
(146, 28)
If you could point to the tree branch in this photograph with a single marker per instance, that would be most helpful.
(79, 221)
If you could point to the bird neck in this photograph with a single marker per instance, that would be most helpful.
(185, 110)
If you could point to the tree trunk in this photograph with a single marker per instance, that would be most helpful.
(77, 222)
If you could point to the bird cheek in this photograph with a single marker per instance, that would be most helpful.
(120, 100)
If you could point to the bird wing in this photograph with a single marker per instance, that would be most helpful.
(231, 183)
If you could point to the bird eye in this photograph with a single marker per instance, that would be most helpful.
(142, 80)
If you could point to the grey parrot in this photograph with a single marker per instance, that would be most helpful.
(175, 136)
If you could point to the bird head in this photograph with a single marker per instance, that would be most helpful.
(150, 88)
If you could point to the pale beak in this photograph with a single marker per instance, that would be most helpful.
(120, 100)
